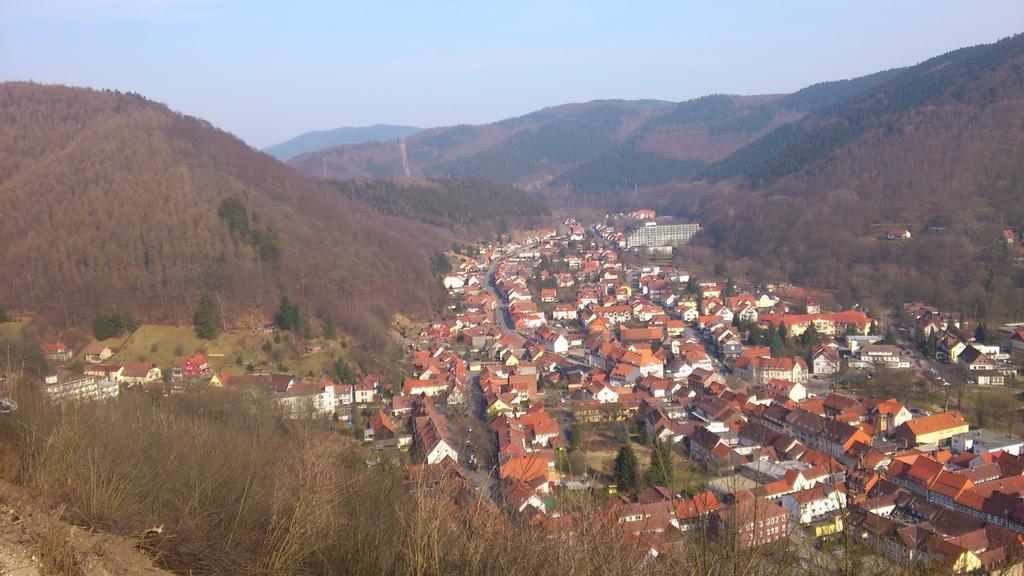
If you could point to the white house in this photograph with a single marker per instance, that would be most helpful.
(553, 341)
(139, 373)
(726, 315)
(791, 390)
(807, 506)
(439, 451)
(825, 361)
(564, 312)
(602, 393)
(747, 314)
(365, 390)
(97, 353)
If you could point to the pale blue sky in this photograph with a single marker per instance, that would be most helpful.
(267, 71)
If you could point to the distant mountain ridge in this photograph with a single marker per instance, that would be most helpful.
(531, 147)
(320, 139)
(597, 146)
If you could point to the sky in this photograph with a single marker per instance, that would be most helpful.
(267, 71)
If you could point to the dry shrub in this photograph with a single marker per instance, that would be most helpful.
(235, 491)
(239, 491)
(57, 555)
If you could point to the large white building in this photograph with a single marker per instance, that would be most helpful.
(79, 388)
(652, 234)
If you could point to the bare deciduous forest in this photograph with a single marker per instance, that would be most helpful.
(111, 203)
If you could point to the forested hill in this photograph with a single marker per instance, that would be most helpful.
(463, 205)
(113, 202)
(951, 79)
(937, 148)
(320, 139)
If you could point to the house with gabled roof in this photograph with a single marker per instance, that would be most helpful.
(932, 429)
(432, 442)
(97, 353)
(57, 351)
(194, 366)
(139, 373)
(695, 512)
(381, 426)
(825, 359)
(789, 390)
(973, 359)
(602, 392)
(1016, 341)
(762, 370)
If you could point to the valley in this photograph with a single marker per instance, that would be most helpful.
(539, 297)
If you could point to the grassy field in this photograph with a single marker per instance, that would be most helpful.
(13, 329)
(601, 448)
(996, 407)
(160, 344)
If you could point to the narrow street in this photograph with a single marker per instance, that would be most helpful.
(501, 312)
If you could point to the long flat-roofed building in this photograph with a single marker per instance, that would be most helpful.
(652, 234)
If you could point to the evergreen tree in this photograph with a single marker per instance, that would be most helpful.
(621, 433)
(931, 346)
(357, 423)
(440, 265)
(289, 316)
(730, 288)
(642, 436)
(756, 336)
(205, 319)
(575, 436)
(660, 471)
(890, 337)
(330, 332)
(343, 372)
(3, 315)
(810, 337)
(110, 325)
(777, 347)
(625, 469)
(981, 333)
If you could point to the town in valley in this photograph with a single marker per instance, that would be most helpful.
(581, 375)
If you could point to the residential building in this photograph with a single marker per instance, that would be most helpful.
(932, 429)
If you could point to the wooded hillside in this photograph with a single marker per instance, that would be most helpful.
(461, 205)
(936, 149)
(112, 202)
